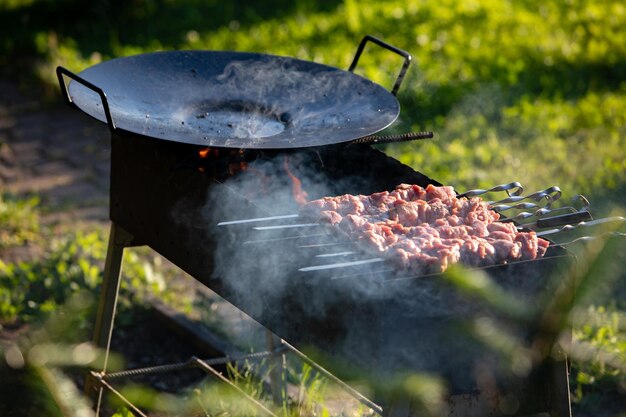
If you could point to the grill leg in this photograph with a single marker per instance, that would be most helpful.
(103, 329)
(560, 405)
(398, 408)
(277, 376)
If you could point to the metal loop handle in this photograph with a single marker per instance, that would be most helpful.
(404, 54)
(66, 94)
(520, 206)
(539, 213)
(571, 215)
(515, 186)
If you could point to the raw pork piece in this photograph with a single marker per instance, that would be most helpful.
(425, 230)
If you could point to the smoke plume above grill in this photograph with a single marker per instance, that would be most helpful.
(269, 258)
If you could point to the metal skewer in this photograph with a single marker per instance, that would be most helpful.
(287, 226)
(517, 188)
(513, 189)
(340, 265)
(582, 224)
(520, 206)
(540, 234)
(258, 219)
(520, 216)
(591, 238)
(319, 245)
(331, 255)
(551, 194)
(278, 239)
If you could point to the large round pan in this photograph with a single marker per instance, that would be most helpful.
(232, 99)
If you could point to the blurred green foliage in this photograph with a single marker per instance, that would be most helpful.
(34, 377)
(28, 289)
(19, 220)
(601, 357)
(72, 262)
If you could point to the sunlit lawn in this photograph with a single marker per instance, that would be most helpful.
(528, 91)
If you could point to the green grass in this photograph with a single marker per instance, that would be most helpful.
(19, 220)
(600, 332)
(71, 261)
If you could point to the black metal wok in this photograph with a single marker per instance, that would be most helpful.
(234, 99)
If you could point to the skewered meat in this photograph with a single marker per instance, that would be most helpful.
(426, 229)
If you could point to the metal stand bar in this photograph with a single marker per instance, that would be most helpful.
(136, 411)
(191, 363)
(119, 239)
(560, 404)
(560, 401)
(354, 393)
(216, 374)
(104, 380)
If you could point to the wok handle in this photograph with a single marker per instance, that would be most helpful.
(376, 139)
(66, 94)
(404, 54)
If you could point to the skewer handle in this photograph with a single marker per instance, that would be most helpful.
(515, 186)
(569, 227)
(551, 194)
(591, 238)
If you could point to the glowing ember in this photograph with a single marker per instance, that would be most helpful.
(203, 153)
(299, 195)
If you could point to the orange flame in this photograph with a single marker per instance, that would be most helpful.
(203, 153)
(299, 195)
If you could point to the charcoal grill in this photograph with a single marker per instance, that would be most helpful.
(162, 178)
